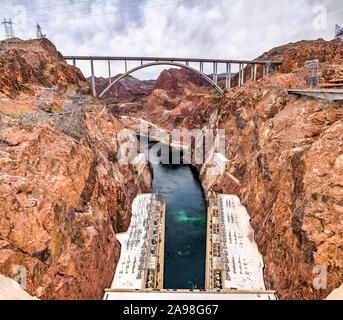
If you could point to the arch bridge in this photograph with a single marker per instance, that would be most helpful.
(145, 62)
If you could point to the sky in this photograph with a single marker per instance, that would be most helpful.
(228, 29)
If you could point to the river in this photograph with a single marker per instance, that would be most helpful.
(186, 216)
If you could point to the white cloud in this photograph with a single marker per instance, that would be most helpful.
(180, 28)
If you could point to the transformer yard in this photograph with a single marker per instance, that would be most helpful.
(140, 264)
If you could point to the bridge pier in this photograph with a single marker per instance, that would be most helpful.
(109, 71)
(239, 75)
(93, 78)
(74, 62)
(228, 76)
(242, 78)
(201, 67)
(255, 72)
(215, 77)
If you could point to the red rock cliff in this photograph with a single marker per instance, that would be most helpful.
(287, 151)
(62, 197)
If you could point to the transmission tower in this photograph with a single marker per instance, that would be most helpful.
(39, 32)
(313, 67)
(9, 33)
(339, 32)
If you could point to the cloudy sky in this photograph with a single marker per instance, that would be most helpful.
(233, 29)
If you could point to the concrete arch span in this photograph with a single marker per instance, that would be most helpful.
(201, 74)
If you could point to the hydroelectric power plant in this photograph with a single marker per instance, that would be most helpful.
(184, 248)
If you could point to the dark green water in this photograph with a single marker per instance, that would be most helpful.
(185, 243)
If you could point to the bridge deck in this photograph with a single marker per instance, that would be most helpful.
(106, 58)
(326, 94)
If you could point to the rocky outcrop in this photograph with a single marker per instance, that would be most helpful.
(35, 63)
(63, 192)
(174, 81)
(128, 89)
(62, 201)
(326, 52)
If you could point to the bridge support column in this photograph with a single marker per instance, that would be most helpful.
(109, 71)
(215, 77)
(242, 75)
(93, 78)
(228, 76)
(125, 66)
(201, 67)
(255, 72)
(239, 75)
(252, 72)
(187, 63)
(74, 62)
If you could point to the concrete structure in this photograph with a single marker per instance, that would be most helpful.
(138, 164)
(234, 267)
(326, 94)
(178, 62)
(222, 164)
(141, 259)
(232, 258)
(186, 295)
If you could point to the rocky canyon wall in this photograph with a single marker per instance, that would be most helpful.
(287, 152)
(63, 196)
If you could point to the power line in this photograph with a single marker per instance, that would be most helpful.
(49, 7)
(73, 16)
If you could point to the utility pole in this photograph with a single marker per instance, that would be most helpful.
(313, 67)
(8, 24)
(339, 32)
(40, 35)
(9, 32)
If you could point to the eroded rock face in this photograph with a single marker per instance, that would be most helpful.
(35, 62)
(62, 201)
(324, 51)
(287, 153)
(128, 89)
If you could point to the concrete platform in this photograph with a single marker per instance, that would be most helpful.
(325, 94)
(233, 261)
(142, 253)
(185, 295)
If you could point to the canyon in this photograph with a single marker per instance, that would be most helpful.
(64, 194)
(285, 150)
